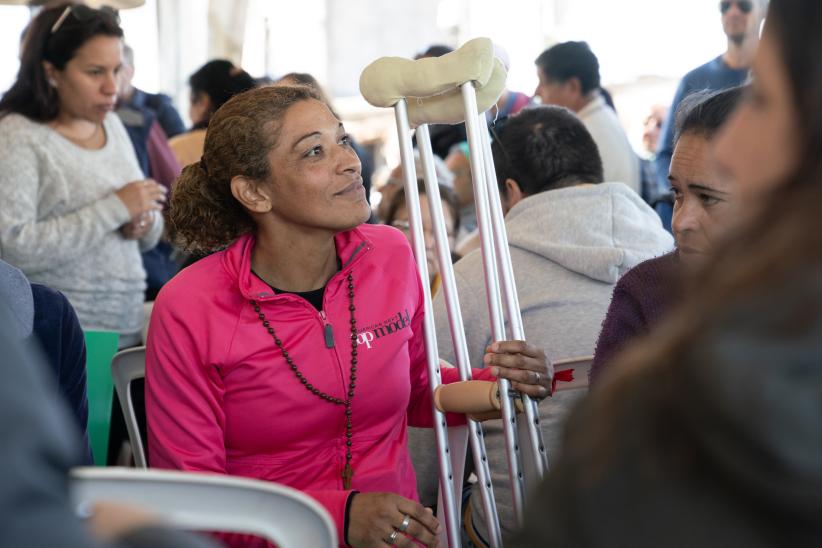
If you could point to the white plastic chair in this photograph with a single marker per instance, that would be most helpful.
(211, 502)
(126, 367)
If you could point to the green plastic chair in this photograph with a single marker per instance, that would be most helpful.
(100, 349)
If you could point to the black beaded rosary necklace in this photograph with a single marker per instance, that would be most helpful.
(348, 472)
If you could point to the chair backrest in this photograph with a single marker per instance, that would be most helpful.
(126, 367)
(211, 502)
(580, 366)
(100, 348)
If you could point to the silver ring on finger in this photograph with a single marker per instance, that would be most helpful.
(392, 538)
(406, 521)
(538, 377)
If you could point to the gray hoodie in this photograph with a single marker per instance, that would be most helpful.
(569, 247)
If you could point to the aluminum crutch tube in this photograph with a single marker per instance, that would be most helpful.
(535, 447)
(490, 270)
(451, 510)
(451, 297)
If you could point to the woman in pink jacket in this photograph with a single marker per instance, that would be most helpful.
(296, 353)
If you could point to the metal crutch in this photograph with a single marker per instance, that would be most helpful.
(447, 491)
(492, 290)
(451, 295)
(535, 458)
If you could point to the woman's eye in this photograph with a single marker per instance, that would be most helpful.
(316, 151)
(709, 200)
(346, 140)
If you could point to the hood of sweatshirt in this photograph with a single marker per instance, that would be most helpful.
(15, 292)
(600, 231)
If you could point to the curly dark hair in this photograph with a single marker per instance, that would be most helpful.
(204, 216)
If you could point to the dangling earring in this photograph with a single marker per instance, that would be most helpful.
(52, 82)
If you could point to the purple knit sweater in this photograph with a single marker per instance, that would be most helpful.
(640, 299)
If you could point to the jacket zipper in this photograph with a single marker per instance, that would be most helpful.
(328, 332)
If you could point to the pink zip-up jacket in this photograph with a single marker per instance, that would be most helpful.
(220, 397)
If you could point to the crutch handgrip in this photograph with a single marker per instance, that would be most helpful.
(477, 399)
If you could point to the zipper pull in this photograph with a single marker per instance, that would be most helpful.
(327, 330)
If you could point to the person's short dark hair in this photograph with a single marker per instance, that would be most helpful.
(446, 195)
(435, 50)
(545, 148)
(704, 112)
(54, 35)
(569, 60)
(220, 80)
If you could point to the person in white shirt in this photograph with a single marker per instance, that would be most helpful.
(569, 77)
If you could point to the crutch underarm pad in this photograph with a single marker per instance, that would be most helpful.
(389, 79)
(431, 85)
(448, 107)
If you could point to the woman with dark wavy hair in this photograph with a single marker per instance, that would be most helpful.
(709, 433)
(76, 210)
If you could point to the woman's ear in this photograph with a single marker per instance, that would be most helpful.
(50, 72)
(252, 195)
(513, 194)
(574, 86)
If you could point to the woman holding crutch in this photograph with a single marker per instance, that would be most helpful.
(296, 353)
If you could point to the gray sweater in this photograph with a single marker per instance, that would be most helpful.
(60, 220)
(568, 247)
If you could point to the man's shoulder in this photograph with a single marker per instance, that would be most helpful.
(710, 75)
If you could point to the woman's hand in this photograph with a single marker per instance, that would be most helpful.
(523, 364)
(139, 227)
(373, 518)
(142, 196)
(110, 520)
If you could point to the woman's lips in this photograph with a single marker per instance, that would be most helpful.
(355, 187)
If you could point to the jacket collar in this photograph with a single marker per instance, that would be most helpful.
(351, 245)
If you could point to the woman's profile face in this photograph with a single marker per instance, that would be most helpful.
(316, 176)
(703, 198)
(199, 107)
(759, 146)
(87, 86)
